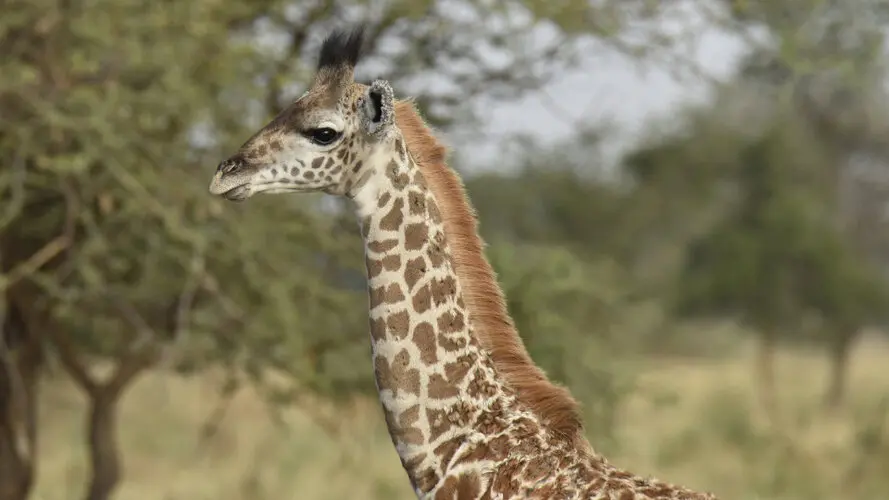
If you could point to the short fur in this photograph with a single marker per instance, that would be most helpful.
(554, 405)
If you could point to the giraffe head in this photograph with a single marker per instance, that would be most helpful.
(332, 139)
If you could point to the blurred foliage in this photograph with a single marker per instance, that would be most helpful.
(572, 315)
(547, 202)
(115, 111)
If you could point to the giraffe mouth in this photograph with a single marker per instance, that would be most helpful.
(237, 194)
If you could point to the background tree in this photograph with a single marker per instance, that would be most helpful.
(834, 68)
(764, 233)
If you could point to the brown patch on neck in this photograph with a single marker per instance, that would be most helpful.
(553, 404)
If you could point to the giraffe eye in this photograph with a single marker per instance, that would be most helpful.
(322, 136)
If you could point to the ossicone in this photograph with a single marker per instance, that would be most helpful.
(342, 48)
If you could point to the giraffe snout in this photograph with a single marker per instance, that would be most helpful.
(231, 178)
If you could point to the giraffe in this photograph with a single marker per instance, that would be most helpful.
(469, 413)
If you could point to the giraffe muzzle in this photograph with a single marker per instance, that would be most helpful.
(230, 181)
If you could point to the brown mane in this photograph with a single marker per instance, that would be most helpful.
(553, 404)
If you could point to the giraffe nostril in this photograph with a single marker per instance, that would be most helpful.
(227, 166)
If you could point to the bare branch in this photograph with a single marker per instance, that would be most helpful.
(185, 302)
(46, 253)
(210, 427)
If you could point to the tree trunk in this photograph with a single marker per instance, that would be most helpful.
(765, 373)
(21, 358)
(105, 464)
(17, 461)
(102, 443)
(840, 352)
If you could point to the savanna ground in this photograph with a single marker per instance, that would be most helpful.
(691, 421)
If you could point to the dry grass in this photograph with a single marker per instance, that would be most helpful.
(691, 422)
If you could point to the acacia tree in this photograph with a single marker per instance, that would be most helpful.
(851, 296)
(757, 262)
(835, 70)
(771, 255)
(804, 105)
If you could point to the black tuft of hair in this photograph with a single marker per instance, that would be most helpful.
(342, 49)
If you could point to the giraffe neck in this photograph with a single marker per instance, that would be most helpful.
(433, 377)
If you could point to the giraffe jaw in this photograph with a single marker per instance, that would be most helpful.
(248, 190)
(238, 194)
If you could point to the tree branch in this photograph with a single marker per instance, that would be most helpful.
(71, 361)
(46, 253)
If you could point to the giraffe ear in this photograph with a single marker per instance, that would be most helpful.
(377, 108)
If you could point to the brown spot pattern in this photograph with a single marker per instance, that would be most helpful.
(377, 329)
(382, 246)
(384, 199)
(433, 212)
(402, 429)
(422, 300)
(436, 256)
(397, 376)
(414, 271)
(457, 370)
(399, 180)
(438, 423)
(376, 296)
(393, 294)
(384, 294)
(450, 321)
(424, 339)
(374, 268)
(391, 262)
(416, 203)
(443, 289)
(449, 344)
(415, 236)
(392, 220)
(439, 388)
(399, 324)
